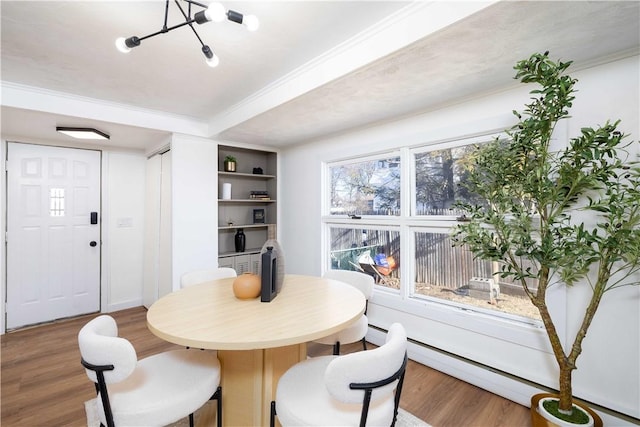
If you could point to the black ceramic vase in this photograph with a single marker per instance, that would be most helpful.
(240, 240)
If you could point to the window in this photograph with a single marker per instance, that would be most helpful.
(438, 178)
(365, 220)
(445, 273)
(367, 187)
(374, 251)
(56, 202)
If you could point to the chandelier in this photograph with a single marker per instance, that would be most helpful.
(213, 12)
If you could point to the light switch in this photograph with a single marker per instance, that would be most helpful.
(124, 222)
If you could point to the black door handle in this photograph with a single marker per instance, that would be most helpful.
(93, 244)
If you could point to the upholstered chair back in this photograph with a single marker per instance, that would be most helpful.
(362, 281)
(367, 367)
(100, 345)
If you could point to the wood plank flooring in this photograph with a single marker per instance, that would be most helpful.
(43, 383)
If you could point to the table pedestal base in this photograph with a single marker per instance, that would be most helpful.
(249, 380)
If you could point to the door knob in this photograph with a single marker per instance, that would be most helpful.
(93, 244)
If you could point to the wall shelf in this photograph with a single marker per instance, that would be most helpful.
(239, 209)
(245, 175)
(253, 251)
(246, 201)
(235, 227)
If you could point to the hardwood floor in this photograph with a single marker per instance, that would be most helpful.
(43, 383)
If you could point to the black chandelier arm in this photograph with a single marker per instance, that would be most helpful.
(166, 15)
(189, 21)
(196, 3)
(166, 30)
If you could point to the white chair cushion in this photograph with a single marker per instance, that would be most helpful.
(163, 388)
(352, 333)
(302, 399)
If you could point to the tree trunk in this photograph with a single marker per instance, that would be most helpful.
(565, 404)
(565, 365)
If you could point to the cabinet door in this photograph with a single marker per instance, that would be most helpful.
(242, 264)
(226, 262)
(255, 262)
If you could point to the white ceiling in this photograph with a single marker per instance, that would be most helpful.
(314, 68)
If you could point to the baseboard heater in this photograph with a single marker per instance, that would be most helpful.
(512, 377)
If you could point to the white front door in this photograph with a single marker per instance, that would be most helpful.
(53, 233)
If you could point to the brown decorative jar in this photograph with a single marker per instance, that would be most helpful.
(247, 286)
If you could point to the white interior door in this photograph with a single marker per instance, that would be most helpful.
(165, 260)
(53, 233)
(157, 261)
(151, 230)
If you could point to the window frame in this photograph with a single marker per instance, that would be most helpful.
(511, 328)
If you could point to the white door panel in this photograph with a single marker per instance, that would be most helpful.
(151, 229)
(165, 275)
(157, 261)
(52, 271)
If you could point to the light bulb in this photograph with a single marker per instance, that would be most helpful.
(122, 45)
(251, 22)
(213, 61)
(215, 12)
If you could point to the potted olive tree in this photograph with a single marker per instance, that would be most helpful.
(572, 214)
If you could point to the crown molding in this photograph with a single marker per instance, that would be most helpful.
(44, 100)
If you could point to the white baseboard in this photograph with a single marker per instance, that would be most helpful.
(515, 389)
(110, 308)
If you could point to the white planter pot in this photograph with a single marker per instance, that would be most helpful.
(560, 423)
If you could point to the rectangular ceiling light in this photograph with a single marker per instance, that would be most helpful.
(82, 133)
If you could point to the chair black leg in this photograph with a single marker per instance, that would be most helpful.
(364, 344)
(272, 418)
(218, 396)
(191, 420)
(336, 348)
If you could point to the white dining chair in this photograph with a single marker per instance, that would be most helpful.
(201, 276)
(361, 388)
(357, 331)
(154, 391)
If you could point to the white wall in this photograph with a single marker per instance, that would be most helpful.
(608, 371)
(194, 192)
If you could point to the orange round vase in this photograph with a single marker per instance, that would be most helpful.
(246, 286)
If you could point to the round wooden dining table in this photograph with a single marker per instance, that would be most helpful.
(256, 341)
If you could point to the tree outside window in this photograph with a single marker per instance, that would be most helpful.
(365, 221)
(370, 187)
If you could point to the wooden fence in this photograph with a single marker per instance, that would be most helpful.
(437, 261)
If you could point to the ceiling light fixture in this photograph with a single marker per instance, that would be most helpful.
(214, 12)
(82, 133)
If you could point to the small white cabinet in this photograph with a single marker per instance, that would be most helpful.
(241, 263)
